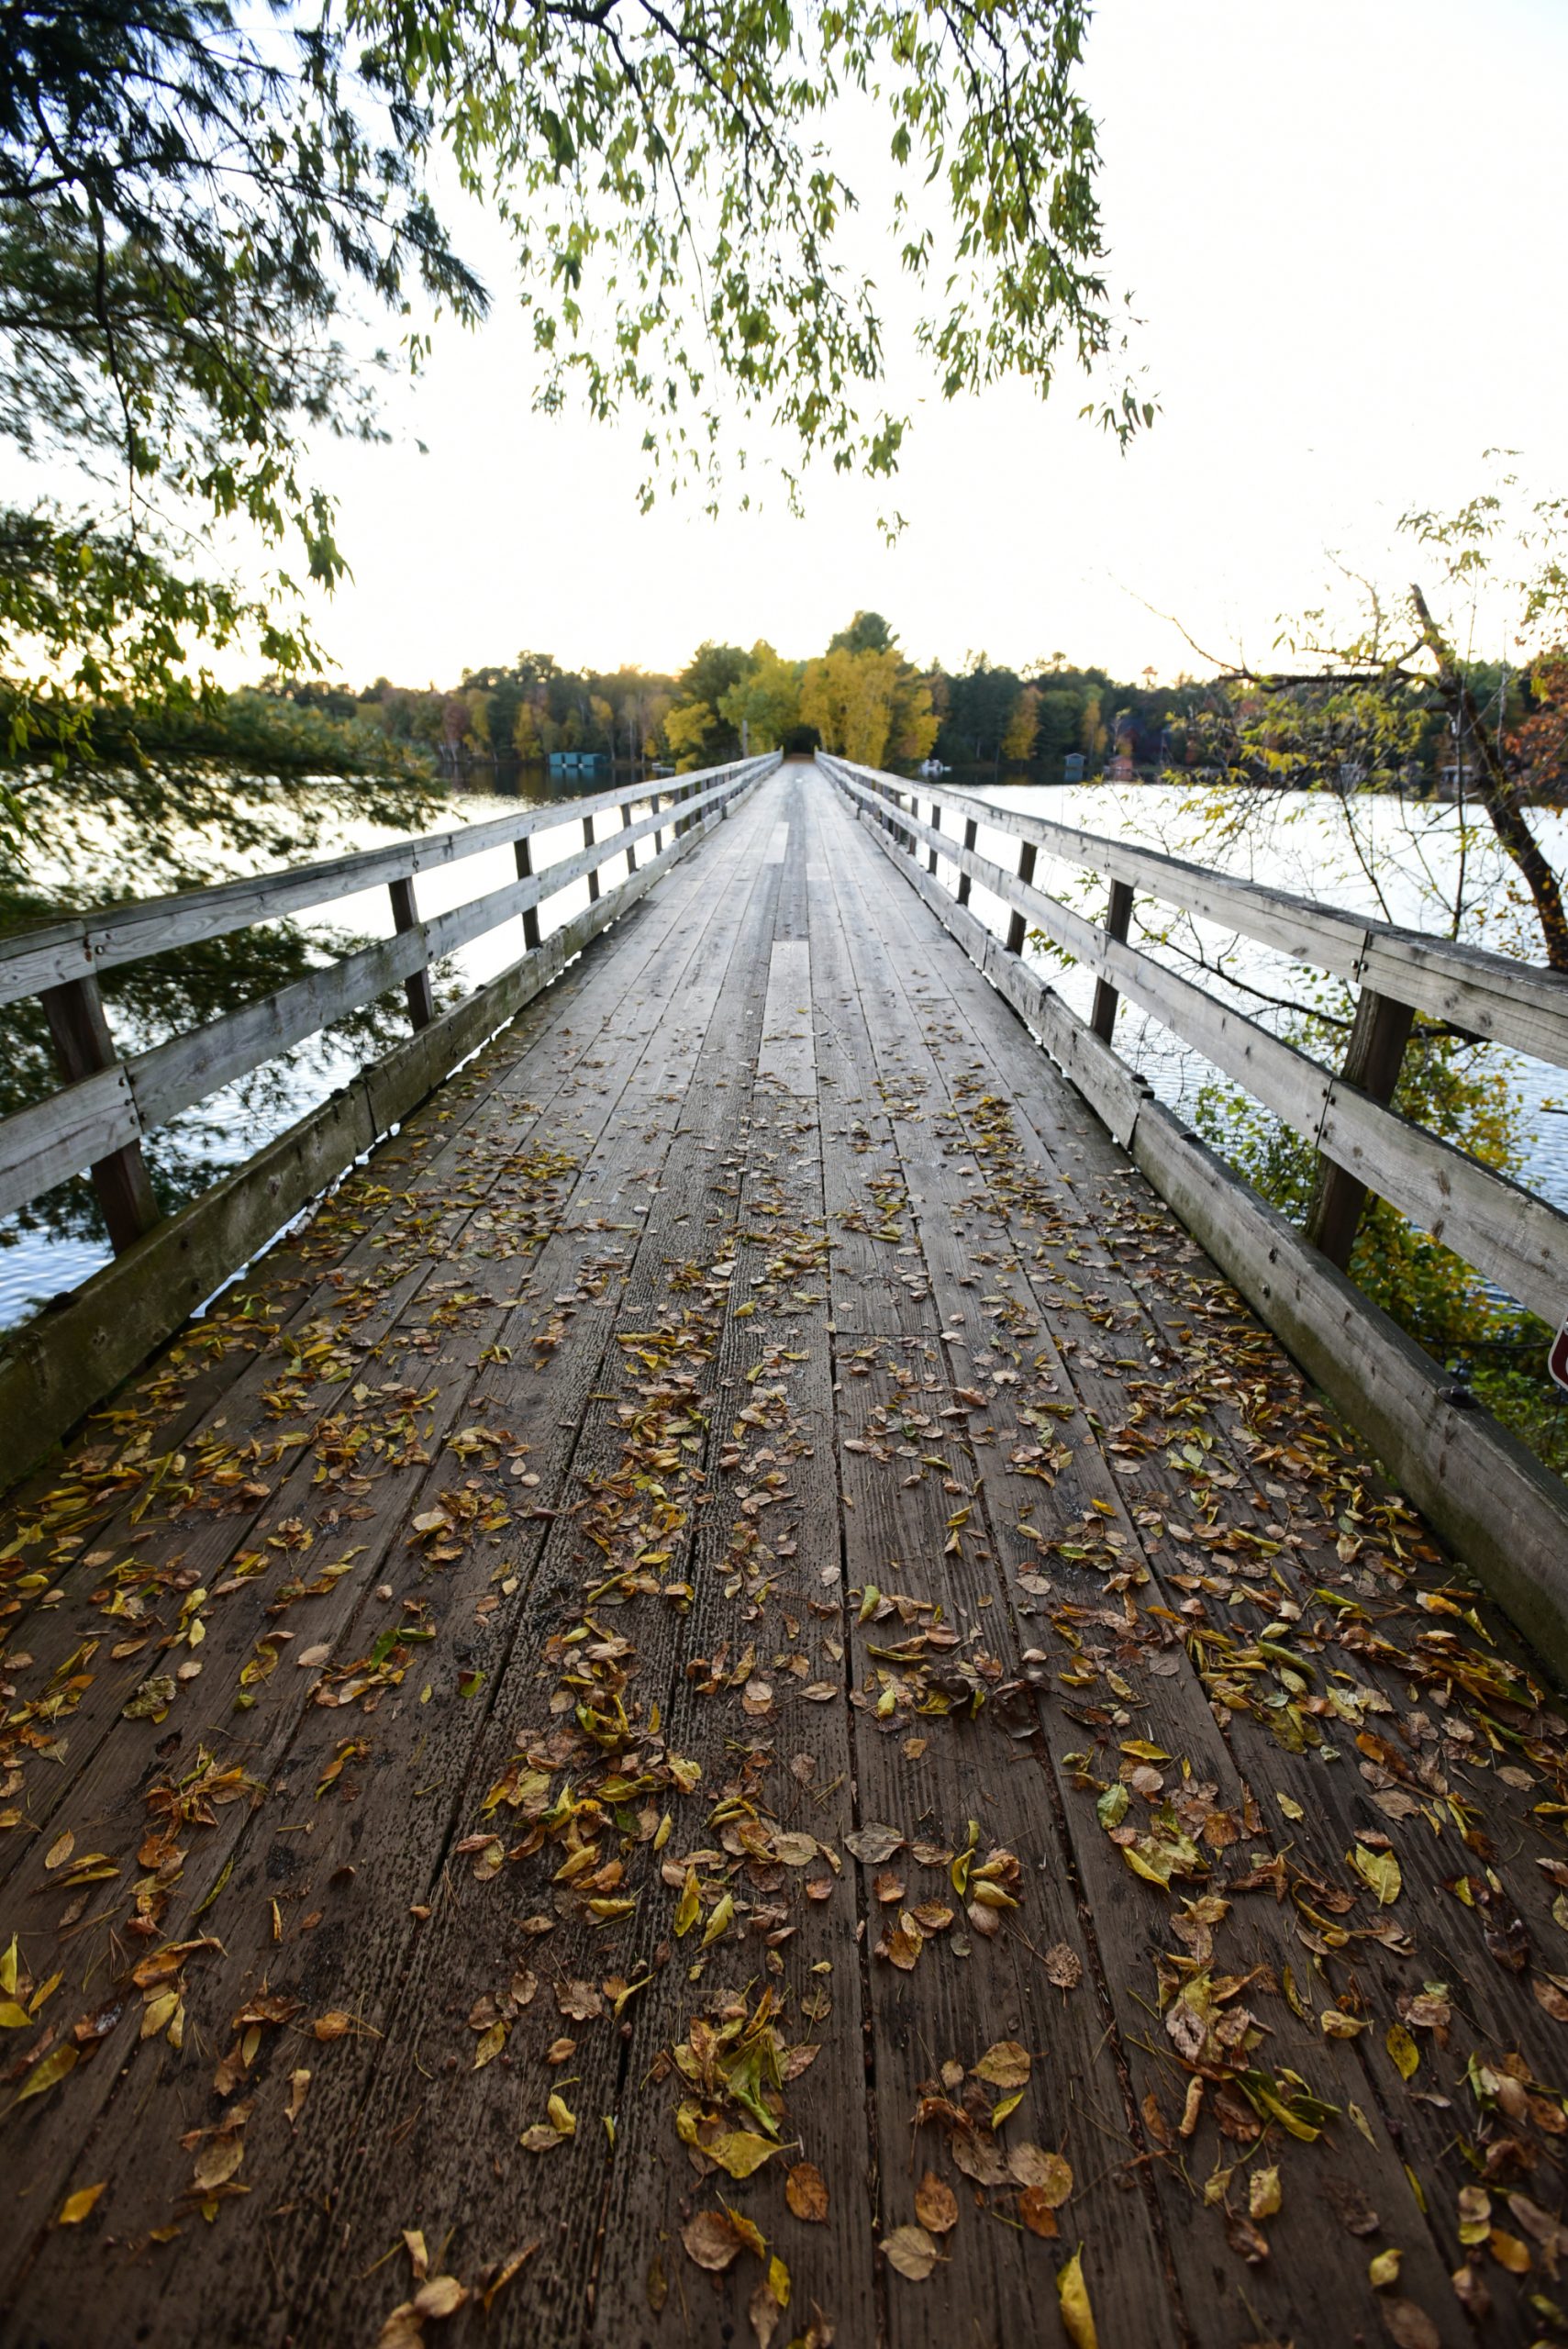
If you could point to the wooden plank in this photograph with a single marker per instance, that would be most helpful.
(786, 1055)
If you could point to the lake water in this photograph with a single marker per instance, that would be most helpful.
(1369, 856)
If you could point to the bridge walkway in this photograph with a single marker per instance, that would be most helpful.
(735, 1700)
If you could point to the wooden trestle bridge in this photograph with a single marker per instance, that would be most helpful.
(746, 1690)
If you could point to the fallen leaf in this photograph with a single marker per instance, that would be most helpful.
(912, 2252)
(1381, 1871)
(711, 2240)
(1402, 2047)
(1408, 2325)
(1036, 2213)
(1045, 2174)
(740, 2152)
(805, 2191)
(1064, 1966)
(1077, 2316)
(1263, 2193)
(48, 2074)
(75, 2206)
(1004, 2066)
(871, 1845)
(935, 2205)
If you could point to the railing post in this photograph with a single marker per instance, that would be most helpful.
(626, 827)
(936, 826)
(593, 876)
(523, 850)
(1018, 929)
(653, 798)
(1101, 1019)
(1373, 1057)
(82, 1045)
(416, 986)
(970, 834)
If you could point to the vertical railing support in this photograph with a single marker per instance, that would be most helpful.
(1018, 929)
(593, 876)
(1101, 1019)
(626, 827)
(416, 986)
(82, 1044)
(936, 826)
(653, 798)
(1374, 1058)
(523, 850)
(970, 834)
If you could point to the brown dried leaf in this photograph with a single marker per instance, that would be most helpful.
(935, 2205)
(805, 2191)
(912, 2252)
(712, 2239)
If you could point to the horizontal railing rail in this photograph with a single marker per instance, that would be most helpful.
(1512, 1237)
(111, 1103)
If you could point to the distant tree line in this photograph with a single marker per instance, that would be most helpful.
(861, 696)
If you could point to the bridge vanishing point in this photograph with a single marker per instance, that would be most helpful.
(739, 1694)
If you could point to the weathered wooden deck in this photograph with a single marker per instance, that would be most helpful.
(743, 1594)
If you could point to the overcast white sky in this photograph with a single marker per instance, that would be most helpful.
(1340, 222)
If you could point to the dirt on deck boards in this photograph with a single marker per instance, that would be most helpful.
(737, 1701)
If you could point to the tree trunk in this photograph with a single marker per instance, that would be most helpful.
(1497, 792)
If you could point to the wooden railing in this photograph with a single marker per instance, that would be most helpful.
(1515, 1239)
(111, 1102)
(1480, 1487)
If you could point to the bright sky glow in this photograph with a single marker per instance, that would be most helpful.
(1339, 222)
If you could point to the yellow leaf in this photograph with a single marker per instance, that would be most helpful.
(490, 2045)
(689, 1908)
(1008, 2104)
(1383, 2268)
(740, 2152)
(565, 2120)
(1291, 1809)
(1403, 2049)
(1263, 2193)
(719, 1921)
(1380, 1870)
(48, 2074)
(75, 2206)
(1077, 2316)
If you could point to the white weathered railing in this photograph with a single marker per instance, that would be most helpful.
(1515, 1239)
(109, 1104)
